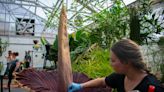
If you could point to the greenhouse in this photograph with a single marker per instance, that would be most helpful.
(82, 45)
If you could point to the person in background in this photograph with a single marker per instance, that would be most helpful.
(130, 71)
(17, 69)
(13, 68)
(27, 59)
(9, 58)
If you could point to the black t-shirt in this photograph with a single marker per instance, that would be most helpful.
(117, 81)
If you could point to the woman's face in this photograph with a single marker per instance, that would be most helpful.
(13, 55)
(118, 66)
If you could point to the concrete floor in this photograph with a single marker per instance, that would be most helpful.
(13, 89)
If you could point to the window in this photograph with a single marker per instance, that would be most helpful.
(25, 26)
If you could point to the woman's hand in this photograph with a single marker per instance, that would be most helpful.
(14, 74)
(74, 87)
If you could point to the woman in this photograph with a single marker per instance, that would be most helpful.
(13, 68)
(27, 59)
(130, 71)
(9, 58)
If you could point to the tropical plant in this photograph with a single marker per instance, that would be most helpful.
(134, 25)
(1, 66)
(3, 46)
(94, 63)
(162, 72)
(47, 81)
(150, 21)
(91, 60)
(86, 44)
(53, 55)
(111, 24)
(147, 22)
(161, 41)
(78, 42)
(161, 46)
(144, 21)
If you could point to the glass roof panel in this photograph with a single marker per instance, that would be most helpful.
(75, 8)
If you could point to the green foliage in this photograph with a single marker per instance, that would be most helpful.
(144, 22)
(154, 54)
(78, 42)
(1, 67)
(53, 54)
(78, 21)
(161, 46)
(150, 21)
(162, 72)
(88, 57)
(2, 49)
(111, 25)
(95, 63)
(79, 38)
(3, 46)
(161, 41)
(134, 25)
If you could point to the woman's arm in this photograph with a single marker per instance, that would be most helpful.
(17, 66)
(94, 83)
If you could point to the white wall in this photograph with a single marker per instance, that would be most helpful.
(20, 43)
(25, 44)
(9, 13)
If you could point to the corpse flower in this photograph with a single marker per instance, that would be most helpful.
(47, 81)
(56, 80)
